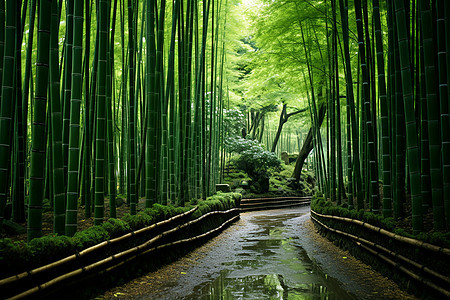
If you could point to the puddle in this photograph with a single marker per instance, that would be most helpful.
(271, 286)
(269, 263)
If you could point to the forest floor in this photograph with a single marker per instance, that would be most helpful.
(406, 222)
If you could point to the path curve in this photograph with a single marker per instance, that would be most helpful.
(275, 253)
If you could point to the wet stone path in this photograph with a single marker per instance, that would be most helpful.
(274, 254)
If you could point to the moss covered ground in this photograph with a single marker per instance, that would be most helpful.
(281, 182)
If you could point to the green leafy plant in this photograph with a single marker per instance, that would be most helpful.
(254, 160)
(233, 122)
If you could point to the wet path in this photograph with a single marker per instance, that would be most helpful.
(265, 255)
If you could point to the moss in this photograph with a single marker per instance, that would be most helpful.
(13, 255)
(90, 237)
(219, 201)
(116, 227)
(287, 170)
(50, 248)
(16, 257)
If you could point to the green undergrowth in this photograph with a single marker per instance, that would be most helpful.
(220, 201)
(18, 256)
(280, 182)
(320, 205)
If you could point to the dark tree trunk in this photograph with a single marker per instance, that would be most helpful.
(283, 119)
(307, 147)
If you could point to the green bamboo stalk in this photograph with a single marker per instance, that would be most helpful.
(110, 120)
(373, 168)
(391, 98)
(370, 60)
(150, 185)
(202, 91)
(331, 114)
(2, 38)
(446, 147)
(74, 128)
(421, 103)
(171, 101)
(18, 201)
(37, 168)
(398, 128)
(6, 105)
(411, 129)
(67, 83)
(103, 13)
(141, 130)
(339, 167)
(433, 117)
(123, 144)
(92, 127)
(131, 168)
(185, 65)
(27, 76)
(26, 83)
(59, 195)
(424, 141)
(163, 107)
(86, 125)
(386, 153)
(351, 103)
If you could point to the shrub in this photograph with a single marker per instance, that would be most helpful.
(13, 255)
(116, 227)
(254, 160)
(138, 221)
(50, 248)
(90, 237)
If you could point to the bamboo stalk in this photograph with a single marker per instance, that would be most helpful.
(397, 237)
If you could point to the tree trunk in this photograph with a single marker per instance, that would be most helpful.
(307, 147)
(283, 119)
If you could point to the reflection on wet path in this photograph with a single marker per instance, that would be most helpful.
(264, 260)
(265, 255)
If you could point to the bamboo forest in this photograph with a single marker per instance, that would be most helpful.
(293, 134)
